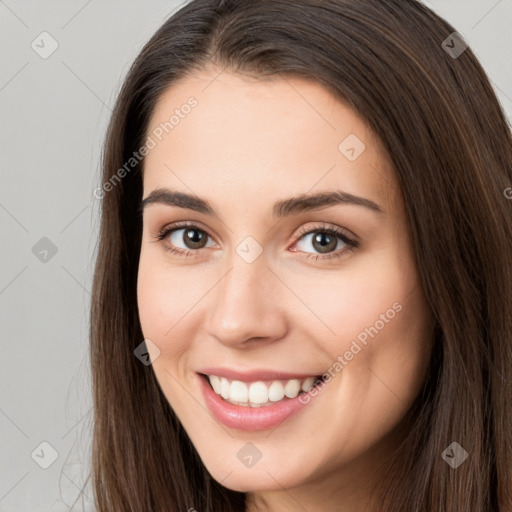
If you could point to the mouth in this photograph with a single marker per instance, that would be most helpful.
(256, 405)
(261, 393)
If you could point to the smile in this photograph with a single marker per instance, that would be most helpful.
(259, 393)
(265, 404)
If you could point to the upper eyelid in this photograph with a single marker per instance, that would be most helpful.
(339, 230)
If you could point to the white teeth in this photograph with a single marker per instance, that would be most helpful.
(224, 388)
(239, 392)
(275, 392)
(258, 394)
(292, 388)
(215, 382)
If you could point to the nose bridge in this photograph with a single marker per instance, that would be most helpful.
(243, 306)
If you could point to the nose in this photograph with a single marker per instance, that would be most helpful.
(247, 305)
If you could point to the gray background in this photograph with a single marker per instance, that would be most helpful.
(53, 116)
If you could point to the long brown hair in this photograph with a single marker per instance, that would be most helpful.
(451, 146)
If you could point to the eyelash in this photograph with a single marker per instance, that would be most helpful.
(351, 244)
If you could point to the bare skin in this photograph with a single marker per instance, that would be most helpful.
(246, 145)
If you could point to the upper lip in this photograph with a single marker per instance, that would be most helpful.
(254, 375)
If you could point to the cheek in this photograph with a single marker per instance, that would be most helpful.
(372, 315)
(350, 302)
(165, 310)
(379, 351)
(151, 302)
(383, 328)
(163, 299)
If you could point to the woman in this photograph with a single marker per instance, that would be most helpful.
(303, 285)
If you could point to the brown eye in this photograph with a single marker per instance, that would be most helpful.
(193, 238)
(324, 242)
(184, 239)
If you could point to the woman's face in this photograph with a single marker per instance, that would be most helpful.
(257, 284)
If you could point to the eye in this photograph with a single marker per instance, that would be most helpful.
(325, 240)
(189, 234)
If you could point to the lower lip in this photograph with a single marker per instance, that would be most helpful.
(245, 417)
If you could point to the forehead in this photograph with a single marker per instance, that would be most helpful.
(223, 136)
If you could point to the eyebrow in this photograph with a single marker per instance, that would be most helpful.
(283, 208)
